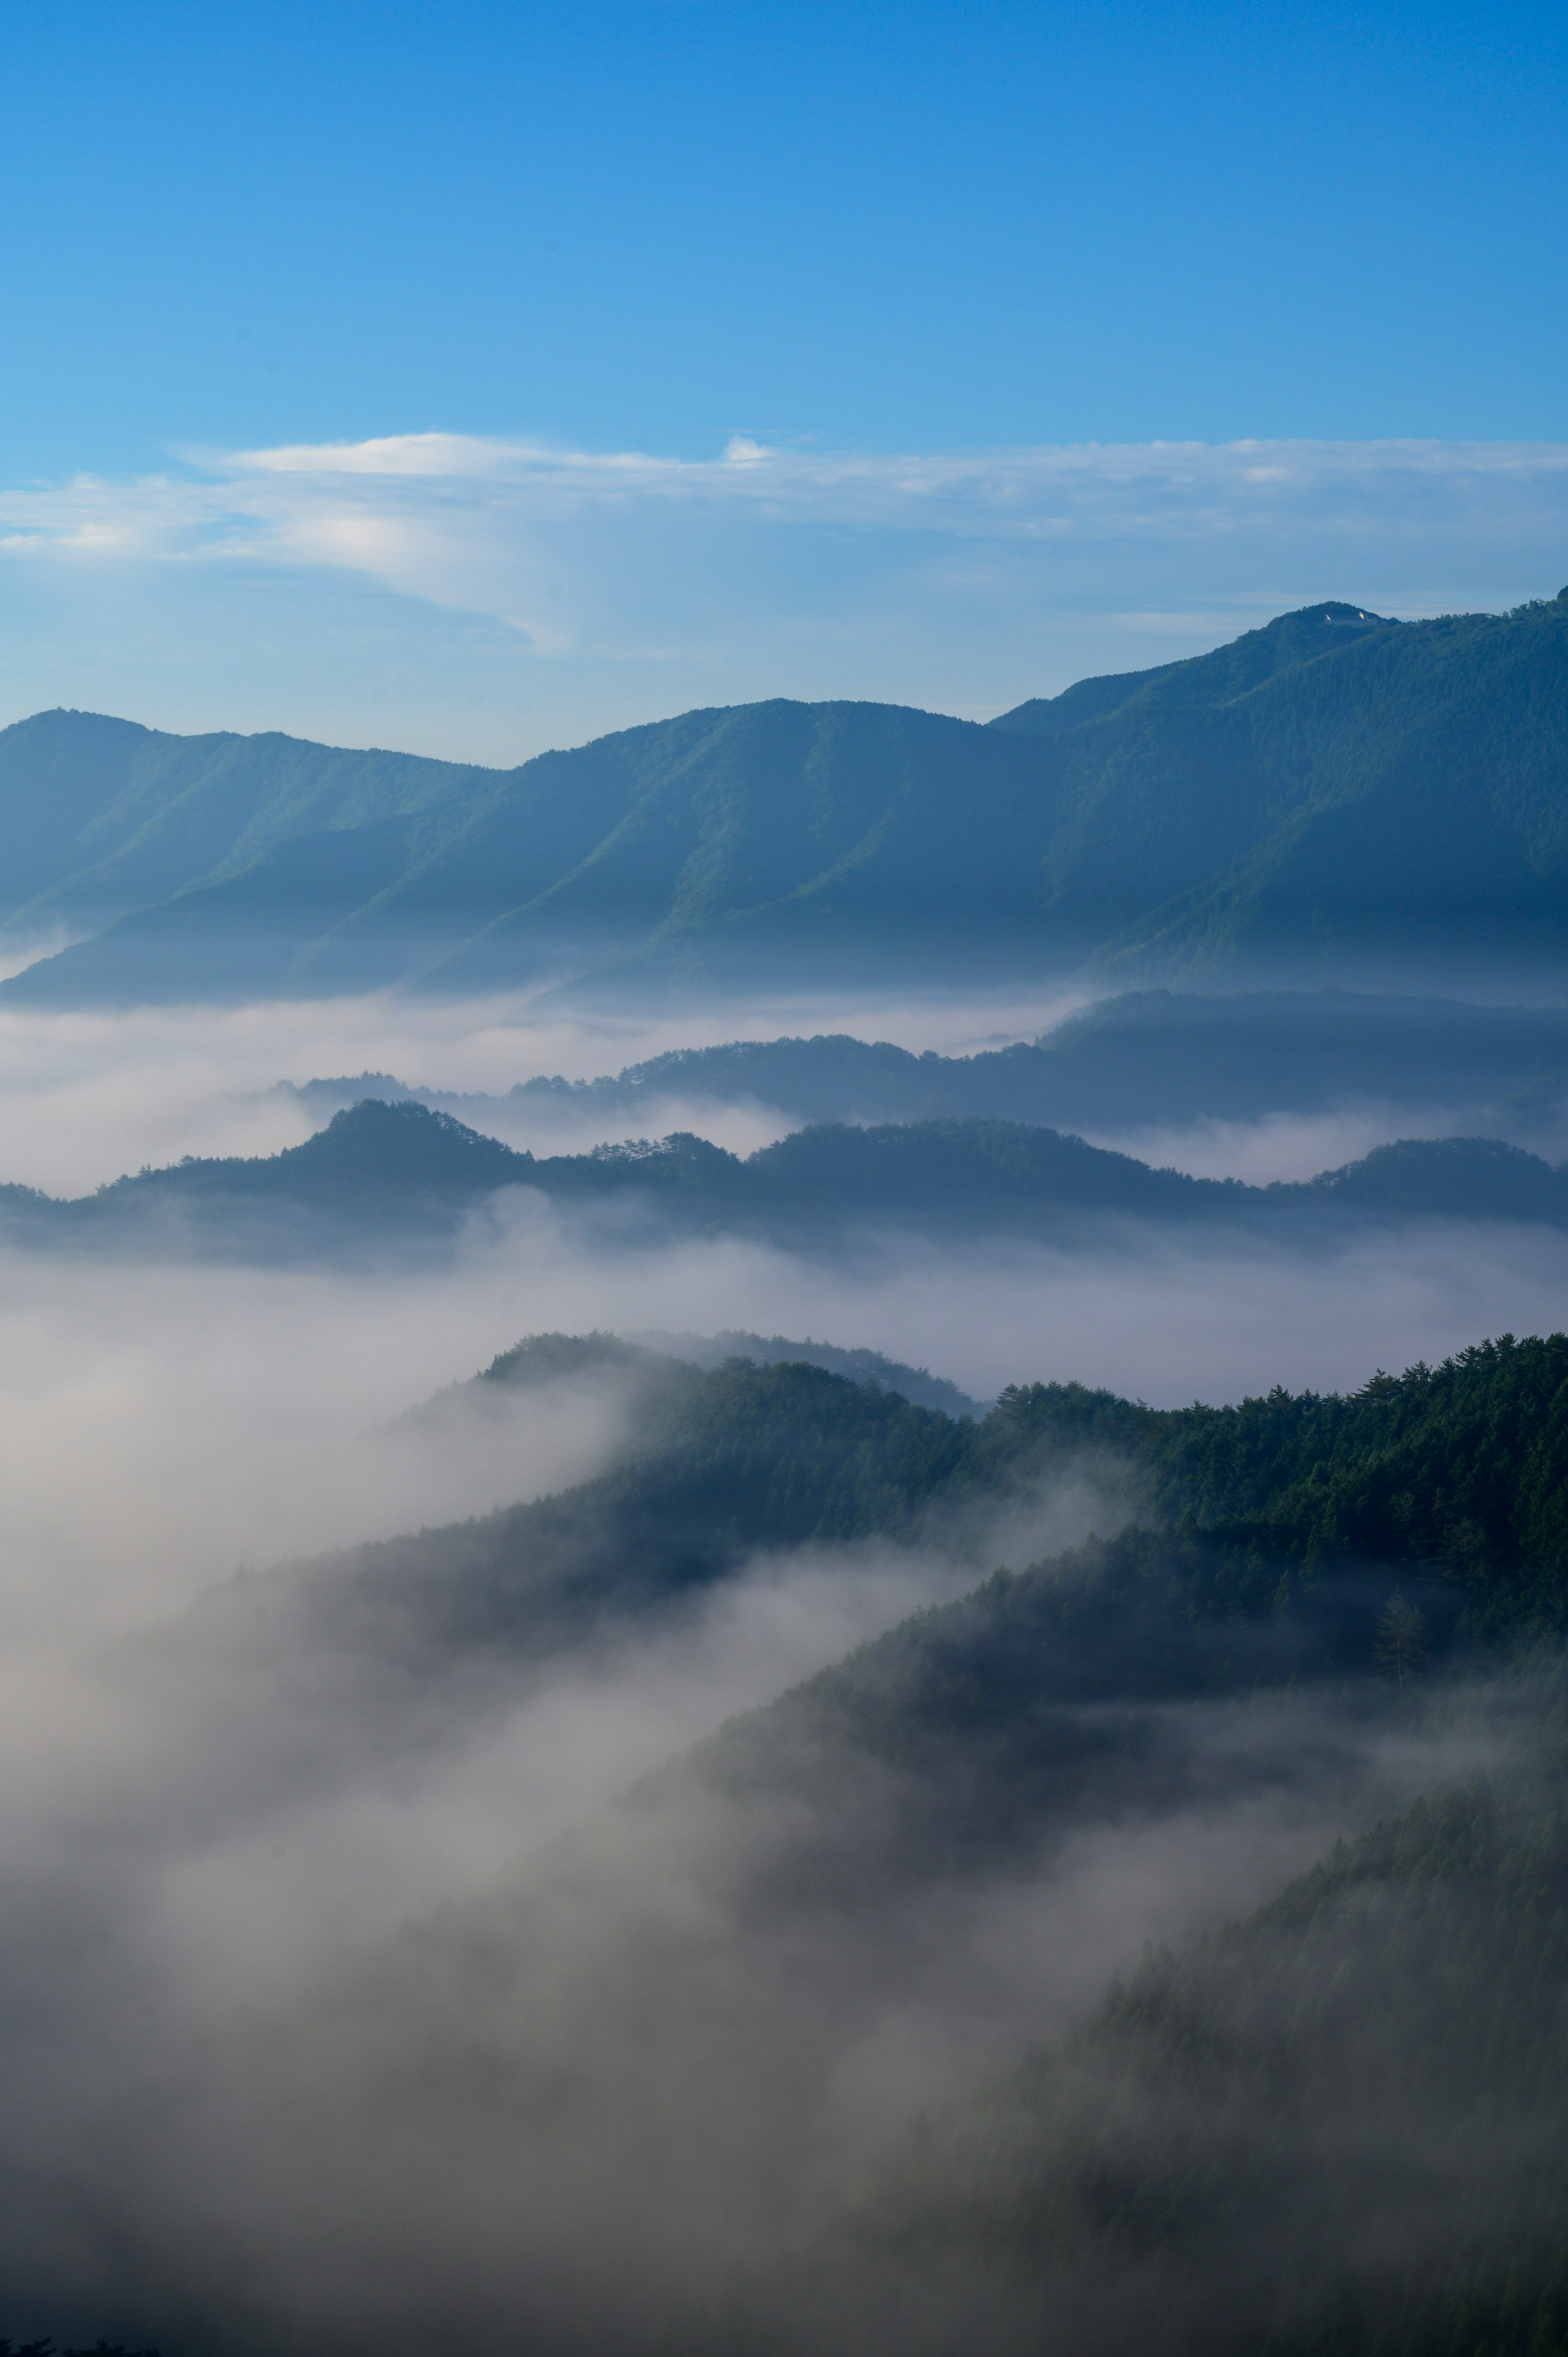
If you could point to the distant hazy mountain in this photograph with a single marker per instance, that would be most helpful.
(1143, 1057)
(381, 1174)
(1333, 786)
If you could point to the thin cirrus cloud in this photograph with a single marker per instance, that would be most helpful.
(491, 590)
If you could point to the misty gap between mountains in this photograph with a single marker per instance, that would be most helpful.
(785, 1520)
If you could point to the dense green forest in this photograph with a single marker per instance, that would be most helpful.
(1177, 2178)
(1267, 1543)
(1339, 2126)
(1274, 1531)
(1335, 2126)
(1332, 785)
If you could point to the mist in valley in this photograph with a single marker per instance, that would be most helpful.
(370, 1970)
(378, 1982)
(783, 1185)
(87, 1093)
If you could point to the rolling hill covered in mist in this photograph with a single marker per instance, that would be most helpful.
(380, 1174)
(1333, 785)
(543, 1359)
(1282, 1517)
(603, 2103)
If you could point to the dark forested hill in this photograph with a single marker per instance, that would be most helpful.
(1341, 2116)
(382, 1174)
(1336, 2127)
(917, 1384)
(1272, 1529)
(1333, 786)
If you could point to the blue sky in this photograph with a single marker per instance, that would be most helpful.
(635, 237)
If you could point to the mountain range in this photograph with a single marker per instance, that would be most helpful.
(1139, 1057)
(1335, 788)
(383, 1175)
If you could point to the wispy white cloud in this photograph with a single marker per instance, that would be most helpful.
(773, 569)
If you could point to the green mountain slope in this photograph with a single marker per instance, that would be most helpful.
(848, 830)
(1333, 786)
(100, 817)
(1274, 1530)
(1338, 2125)
(1412, 785)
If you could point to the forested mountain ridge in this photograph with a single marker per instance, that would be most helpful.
(1155, 2156)
(1334, 2127)
(541, 1358)
(829, 815)
(1252, 1517)
(1332, 784)
(102, 816)
(380, 1172)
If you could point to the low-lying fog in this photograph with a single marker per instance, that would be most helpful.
(187, 1418)
(340, 1994)
(1280, 1145)
(88, 1095)
(144, 1402)
(249, 2107)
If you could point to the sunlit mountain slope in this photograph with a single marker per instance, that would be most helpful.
(1334, 786)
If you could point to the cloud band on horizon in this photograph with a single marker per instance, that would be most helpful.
(594, 587)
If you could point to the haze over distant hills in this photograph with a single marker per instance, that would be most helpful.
(383, 1177)
(1334, 787)
(1139, 1057)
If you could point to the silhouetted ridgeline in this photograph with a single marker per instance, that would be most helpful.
(1334, 786)
(379, 1173)
(1143, 1057)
